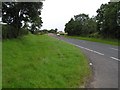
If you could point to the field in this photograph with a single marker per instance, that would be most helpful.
(41, 61)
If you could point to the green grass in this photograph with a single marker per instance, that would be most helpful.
(105, 41)
(42, 61)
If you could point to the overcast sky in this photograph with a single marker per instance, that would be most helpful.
(56, 13)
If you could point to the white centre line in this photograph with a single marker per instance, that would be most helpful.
(88, 49)
(98, 53)
(114, 49)
(115, 58)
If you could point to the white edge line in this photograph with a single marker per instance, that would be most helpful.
(115, 58)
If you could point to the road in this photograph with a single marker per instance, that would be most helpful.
(103, 59)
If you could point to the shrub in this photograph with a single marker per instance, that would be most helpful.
(95, 35)
(11, 32)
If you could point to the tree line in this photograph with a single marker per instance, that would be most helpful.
(20, 17)
(45, 31)
(105, 24)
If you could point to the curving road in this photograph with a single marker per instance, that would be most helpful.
(103, 59)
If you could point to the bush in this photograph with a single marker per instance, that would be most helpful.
(94, 35)
(23, 31)
(8, 32)
(11, 32)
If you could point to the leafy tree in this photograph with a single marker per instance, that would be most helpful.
(90, 26)
(69, 27)
(81, 25)
(14, 13)
(56, 30)
(53, 31)
(107, 19)
(106, 24)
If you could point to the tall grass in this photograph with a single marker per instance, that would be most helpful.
(43, 62)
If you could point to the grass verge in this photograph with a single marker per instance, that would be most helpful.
(41, 61)
(115, 42)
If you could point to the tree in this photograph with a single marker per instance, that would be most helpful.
(14, 13)
(81, 25)
(107, 19)
(56, 30)
(53, 31)
(106, 24)
(69, 27)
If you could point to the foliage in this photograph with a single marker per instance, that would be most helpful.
(18, 14)
(107, 18)
(10, 32)
(106, 24)
(44, 31)
(81, 25)
(53, 30)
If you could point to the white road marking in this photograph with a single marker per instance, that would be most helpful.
(115, 58)
(88, 49)
(98, 53)
(114, 49)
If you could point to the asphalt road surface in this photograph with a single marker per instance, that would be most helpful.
(103, 59)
